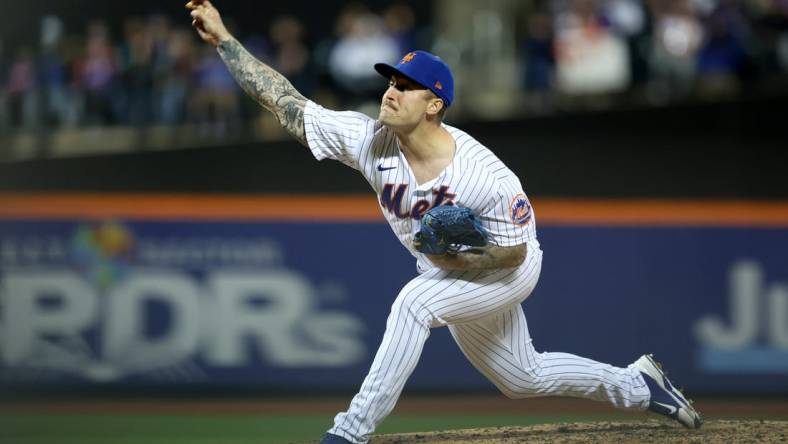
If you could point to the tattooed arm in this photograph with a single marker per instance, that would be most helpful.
(485, 258)
(261, 82)
(269, 88)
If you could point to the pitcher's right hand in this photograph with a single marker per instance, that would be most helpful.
(207, 21)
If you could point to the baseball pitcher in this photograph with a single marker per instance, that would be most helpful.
(465, 218)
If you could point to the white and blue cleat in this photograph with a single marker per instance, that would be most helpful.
(666, 399)
(330, 438)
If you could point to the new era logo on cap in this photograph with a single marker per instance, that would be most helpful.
(426, 69)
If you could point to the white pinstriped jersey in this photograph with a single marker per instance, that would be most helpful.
(480, 307)
(475, 179)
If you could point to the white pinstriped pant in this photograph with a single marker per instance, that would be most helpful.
(483, 312)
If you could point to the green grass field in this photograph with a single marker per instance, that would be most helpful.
(302, 420)
(203, 429)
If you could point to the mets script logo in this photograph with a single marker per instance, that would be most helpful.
(520, 210)
(391, 199)
(408, 57)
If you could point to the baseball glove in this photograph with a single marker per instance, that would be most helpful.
(446, 228)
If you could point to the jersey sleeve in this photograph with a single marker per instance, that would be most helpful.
(509, 217)
(337, 135)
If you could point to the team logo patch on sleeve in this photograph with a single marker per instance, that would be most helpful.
(520, 210)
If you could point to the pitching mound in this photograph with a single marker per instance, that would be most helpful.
(650, 431)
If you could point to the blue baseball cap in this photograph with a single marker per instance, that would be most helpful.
(426, 69)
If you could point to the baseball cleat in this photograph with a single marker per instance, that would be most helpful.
(666, 399)
(330, 438)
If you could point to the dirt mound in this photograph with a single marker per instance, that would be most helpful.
(650, 431)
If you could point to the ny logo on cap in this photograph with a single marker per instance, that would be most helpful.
(408, 57)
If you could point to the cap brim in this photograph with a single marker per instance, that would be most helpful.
(387, 71)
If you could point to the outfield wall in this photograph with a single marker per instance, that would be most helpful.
(715, 150)
(283, 292)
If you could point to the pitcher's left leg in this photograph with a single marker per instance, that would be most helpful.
(500, 347)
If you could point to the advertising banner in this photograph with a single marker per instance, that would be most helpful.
(205, 293)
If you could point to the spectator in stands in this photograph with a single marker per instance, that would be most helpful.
(71, 50)
(676, 40)
(174, 82)
(321, 54)
(363, 43)
(52, 73)
(291, 55)
(160, 30)
(400, 22)
(539, 61)
(591, 59)
(20, 90)
(722, 59)
(136, 72)
(215, 103)
(97, 74)
(628, 19)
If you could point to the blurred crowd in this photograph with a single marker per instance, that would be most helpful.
(657, 51)
(154, 71)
